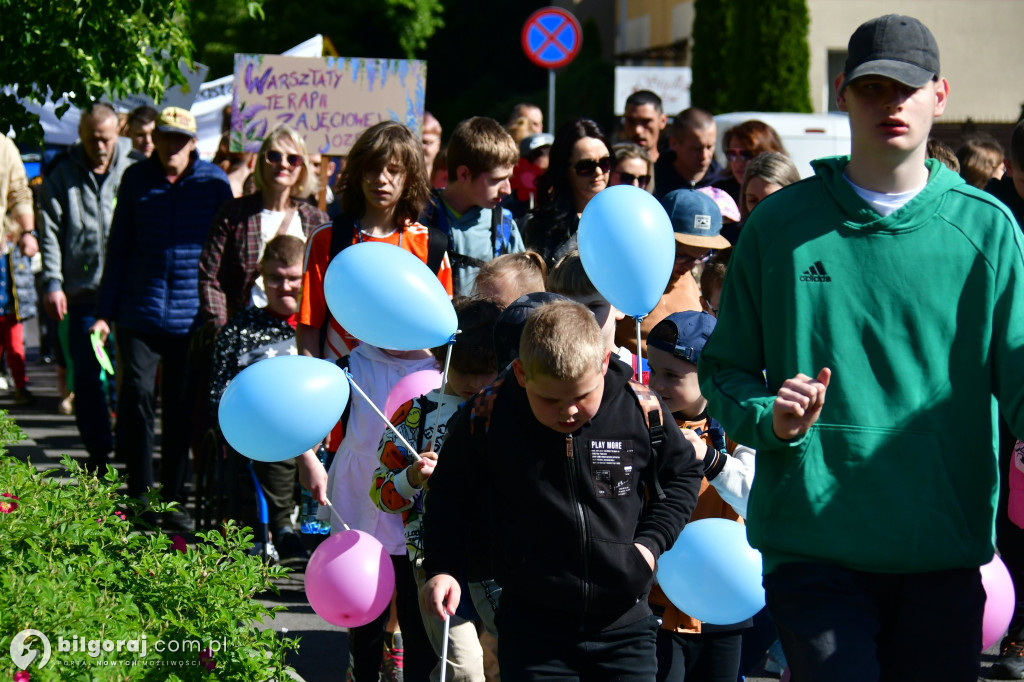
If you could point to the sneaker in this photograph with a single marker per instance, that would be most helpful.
(67, 405)
(394, 653)
(290, 550)
(178, 520)
(1010, 664)
(23, 397)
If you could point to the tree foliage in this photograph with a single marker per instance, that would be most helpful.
(768, 56)
(89, 49)
(394, 29)
(712, 32)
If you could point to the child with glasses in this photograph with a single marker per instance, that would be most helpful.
(632, 167)
(255, 334)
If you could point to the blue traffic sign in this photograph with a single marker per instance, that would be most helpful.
(551, 37)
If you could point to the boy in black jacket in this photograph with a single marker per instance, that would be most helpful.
(561, 463)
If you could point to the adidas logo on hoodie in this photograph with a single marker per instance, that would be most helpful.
(815, 273)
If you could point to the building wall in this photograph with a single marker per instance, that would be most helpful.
(653, 23)
(980, 43)
(980, 46)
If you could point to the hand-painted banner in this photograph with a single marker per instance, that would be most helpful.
(328, 100)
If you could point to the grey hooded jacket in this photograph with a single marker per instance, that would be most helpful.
(76, 211)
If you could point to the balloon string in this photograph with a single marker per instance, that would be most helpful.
(639, 352)
(440, 397)
(334, 512)
(444, 646)
(408, 448)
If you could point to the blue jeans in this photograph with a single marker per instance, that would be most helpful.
(527, 653)
(839, 625)
(92, 414)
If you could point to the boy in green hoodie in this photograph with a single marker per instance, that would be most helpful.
(873, 507)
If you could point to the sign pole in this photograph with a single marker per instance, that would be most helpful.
(551, 101)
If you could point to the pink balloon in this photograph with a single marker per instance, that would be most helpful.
(409, 387)
(350, 579)
(999, 601)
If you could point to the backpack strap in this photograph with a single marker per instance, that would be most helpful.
(343, 231)
(343, 362)
(501, 239)
(651, 408)
(483, 407)
(437, 246)
(717, 435)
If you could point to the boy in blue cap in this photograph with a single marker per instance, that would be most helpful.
(873, 508)
(688, 648)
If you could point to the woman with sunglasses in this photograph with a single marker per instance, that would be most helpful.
(229, 266)
(578, 169)
(742, 143)
(632, 167)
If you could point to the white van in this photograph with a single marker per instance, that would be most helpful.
(805, 136)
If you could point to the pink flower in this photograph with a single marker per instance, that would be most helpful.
(206, 659)
(99, 520)
(21, 676)
(178, 543)
(7, 506)
(120, 515)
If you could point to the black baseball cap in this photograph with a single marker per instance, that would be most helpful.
(894, 46)
(508, 330)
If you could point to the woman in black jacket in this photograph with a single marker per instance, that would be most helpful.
(578, 170)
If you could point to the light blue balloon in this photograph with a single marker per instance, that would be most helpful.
(278, 408)
(712, 573)
(627, 248)
(387, 297)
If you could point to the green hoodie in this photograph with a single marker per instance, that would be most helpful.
(920, 315)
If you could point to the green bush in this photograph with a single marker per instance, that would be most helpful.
(74, 566)
(768, 57)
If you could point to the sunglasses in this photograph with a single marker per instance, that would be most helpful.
(641, 181)
(588, 167)
(737, 154)
(274, 156)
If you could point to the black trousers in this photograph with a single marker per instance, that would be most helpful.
(140, 355)
(527, 652)
(838, 625)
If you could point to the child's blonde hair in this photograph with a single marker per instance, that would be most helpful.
(521, 273)
(563, 341)
(712, 277)
(480, 144)
(569, 278)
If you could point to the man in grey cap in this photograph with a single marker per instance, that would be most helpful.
(888, 284)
